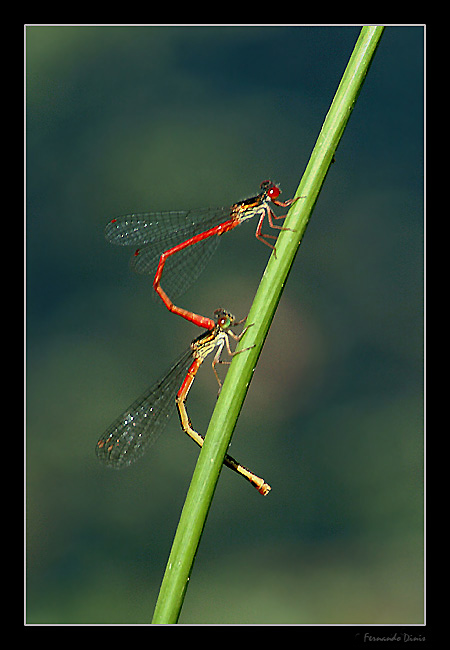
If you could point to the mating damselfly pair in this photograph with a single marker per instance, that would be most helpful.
(176, 246)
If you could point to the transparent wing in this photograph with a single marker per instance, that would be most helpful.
(168, 228)
(156, 232)
(140, 425)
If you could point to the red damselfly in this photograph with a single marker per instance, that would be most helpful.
(140, 425)
(181, 242)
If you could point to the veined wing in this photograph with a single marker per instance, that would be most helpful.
(140, 425)
(156, 232)
(171, 227)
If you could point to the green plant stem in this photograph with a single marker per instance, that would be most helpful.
(239, 375)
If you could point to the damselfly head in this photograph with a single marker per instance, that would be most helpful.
(271, 189)
(224, 319)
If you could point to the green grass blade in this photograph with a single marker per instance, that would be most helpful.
(238, 378)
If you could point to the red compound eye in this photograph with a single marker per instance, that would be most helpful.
(273, 192)
(271, 189)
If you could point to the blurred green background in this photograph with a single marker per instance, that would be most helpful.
(123, 119)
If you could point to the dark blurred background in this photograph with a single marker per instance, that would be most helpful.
(123, 119)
